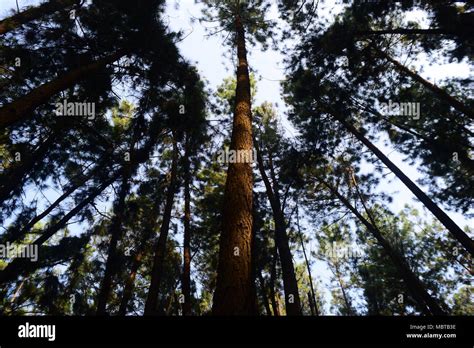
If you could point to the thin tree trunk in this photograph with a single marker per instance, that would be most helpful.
(451, 226)
(186, 282)
(234, 293)
(33, 13)
(150, 228)
(25, 266)
(21, 108)
(313, 294)
(115, 231)
(440, 93)
(273, 298)
(428, 304)
(151, 304)
(290, 284)
(263, 292)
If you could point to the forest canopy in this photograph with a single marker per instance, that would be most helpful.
(131, 185)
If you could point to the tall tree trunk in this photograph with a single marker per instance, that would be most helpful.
(414, 285)
(234, 293)
(308, 267)
(186, 282)
(440, 93)
(290, 284)
(151, 304)
(451, 226)
(115, 231)
(33, 13)
(20, 108)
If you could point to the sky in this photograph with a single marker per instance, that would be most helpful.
(208, 55)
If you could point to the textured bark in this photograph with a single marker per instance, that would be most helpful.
(151, 305)
(21, 108)
(290, 283)
(440, 93)
(234, 293)
(451, 226)
(186, 282)
(417, 289)
(33, 13)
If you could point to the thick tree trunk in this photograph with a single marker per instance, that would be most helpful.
(186, 282)
(33, 13)
(440, 93)
(451, 226)
(20, 109)
(414, 285)
(151, 305)
(234, 293)
(290, 284)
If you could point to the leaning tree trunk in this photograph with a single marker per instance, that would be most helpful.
(414, 285)
(21, 108)
(450, 225)
(24, 266)
(33, 13)
(290, 284)
(440, 93)
(13, 179)
(234, 293)
(151, 304)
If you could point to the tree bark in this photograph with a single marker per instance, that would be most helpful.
(33, 13)
(450, 225)
(20, 109)
(234, 293)
(151, 305)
